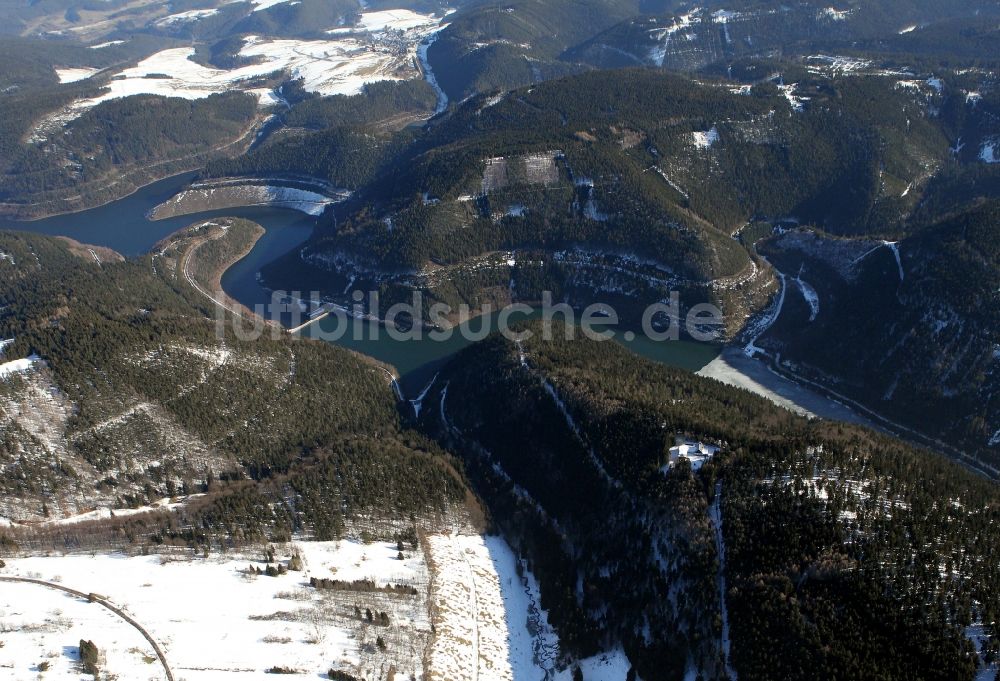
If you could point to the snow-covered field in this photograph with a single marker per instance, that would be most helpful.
(215, 620)
(42, 629)
(383, 46)
(482, 609)
(396, 20)
(73, 75)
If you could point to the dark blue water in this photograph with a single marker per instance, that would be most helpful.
(122, 225)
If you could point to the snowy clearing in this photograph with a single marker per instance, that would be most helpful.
(74, 75)
(341, 65)
(260, 5)
(705, 140)
(214, 619)
(395, 20)
(110, 43)
(165, 504)
(796, 102)
(43, 628)
(482, 609)
(990, 152)
(658, 53)
(988, 668)
(185, 17)
(17, 366)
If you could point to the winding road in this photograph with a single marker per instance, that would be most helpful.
(100, 600)
(186, 269)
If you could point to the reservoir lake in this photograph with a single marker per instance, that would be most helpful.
(122, 225)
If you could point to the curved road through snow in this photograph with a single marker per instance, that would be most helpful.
(100, 600)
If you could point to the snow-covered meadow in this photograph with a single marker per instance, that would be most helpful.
(482, 610)
(213, 618)
(76, 74)
(383, 46)
(17, 366)
(705, 140)
(474, 614)
(42, 629)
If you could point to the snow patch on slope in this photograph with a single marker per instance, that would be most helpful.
(17, 366)
(75, 75)
(658, 53)
(260, 5)
(835, 14)
(990, 152)
(185, 17)
(705, 140)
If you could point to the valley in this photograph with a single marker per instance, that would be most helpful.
(300, 363)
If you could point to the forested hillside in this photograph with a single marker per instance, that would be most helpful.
(924, 329)
(622, 186)
(128, 395)
(490, 47)
(844, 550)
(697, 37)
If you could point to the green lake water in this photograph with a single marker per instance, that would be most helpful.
(122, 225)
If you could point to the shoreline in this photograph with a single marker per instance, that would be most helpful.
(811, 399)
(190, 164)
(757, 372)
(234, 306)
(310, 197)
(189, 254)
(10, 217)
(887, 425)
